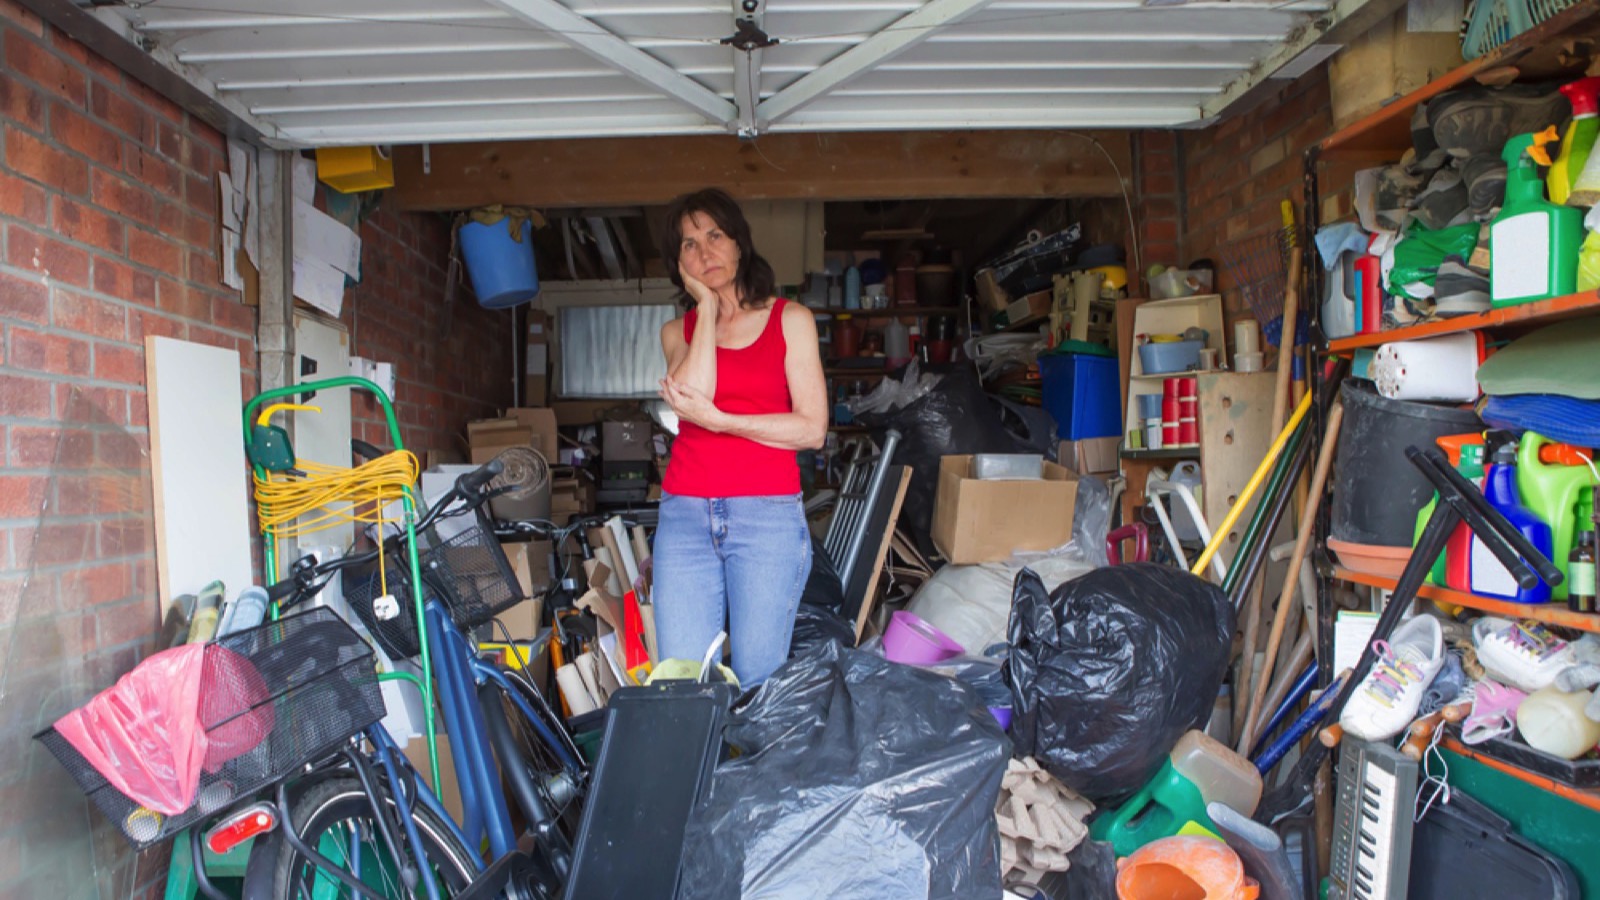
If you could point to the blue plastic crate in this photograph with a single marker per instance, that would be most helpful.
(1080, 391)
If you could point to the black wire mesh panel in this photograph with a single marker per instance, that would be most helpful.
(272, 699)
(468, 572)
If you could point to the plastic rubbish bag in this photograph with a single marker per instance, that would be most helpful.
(821, 615)
(953, 417)
(858, 779)
(1110, 669)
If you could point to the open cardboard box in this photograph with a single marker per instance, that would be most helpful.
(987, 521)
(519, 427)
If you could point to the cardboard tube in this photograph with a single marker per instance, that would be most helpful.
(589, 670)
(578, 698)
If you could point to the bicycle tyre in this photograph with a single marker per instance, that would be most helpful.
(274, 868)
(543, 765)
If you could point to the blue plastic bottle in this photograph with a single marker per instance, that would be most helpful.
(852, 288)
(1489, 577)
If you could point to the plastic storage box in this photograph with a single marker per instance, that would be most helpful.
(1082, 393)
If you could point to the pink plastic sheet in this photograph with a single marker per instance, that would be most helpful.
(180, 712)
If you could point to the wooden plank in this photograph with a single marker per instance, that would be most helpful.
(834, 166)
(198, 467)
(1540, 312)
(867, 599)
(1235, 430)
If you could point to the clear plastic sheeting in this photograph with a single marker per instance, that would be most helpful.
(856, 779)
(613, 351)
(82, 495)
(1109, 670)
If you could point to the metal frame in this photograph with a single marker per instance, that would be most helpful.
(584, 34)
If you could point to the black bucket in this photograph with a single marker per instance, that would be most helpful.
(1377, 492)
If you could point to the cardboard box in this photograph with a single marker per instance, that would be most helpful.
(519, 427)
(1035, 304)
(626, 441)
(536, 384)
(1092, 456)
(990, 292)
(531, 563)
(447, 790)
(987, 521)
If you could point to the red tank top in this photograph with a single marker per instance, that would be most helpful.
(750, 381)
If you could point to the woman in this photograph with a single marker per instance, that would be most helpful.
(744, 375)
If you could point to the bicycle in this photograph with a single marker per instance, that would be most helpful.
(500, 722)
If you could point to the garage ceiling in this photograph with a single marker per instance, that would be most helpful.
(329, 72)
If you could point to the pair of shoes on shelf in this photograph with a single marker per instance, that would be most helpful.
(1388, 699)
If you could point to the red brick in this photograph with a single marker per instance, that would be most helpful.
(123, 282)
(154, 100)
(117, 110)
(81, 133)
(34, 61)
(180, 300)
(202, 267)
(24, 298)
(123, 197)
(21, 104)
(148, 324)
(91, 403)
(88, 225)
(125, 622)
(22, 18)
(152, 171)
(43, 352)
(201, 194)
(23, 397)
(27, 249)
(32, 157)
(20, 495)
(1161, 183)
(199, 231)
(92, 316)
(157, 251)
(122, 364)
(124, 537)
(22, 199)
(233, 315)
(1159, 230)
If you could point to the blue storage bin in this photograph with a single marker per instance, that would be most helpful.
(500, 266)
(1080, 391)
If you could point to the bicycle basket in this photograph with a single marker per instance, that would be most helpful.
(271, 699)
(467, 571)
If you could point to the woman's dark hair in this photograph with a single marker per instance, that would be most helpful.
(755, 279)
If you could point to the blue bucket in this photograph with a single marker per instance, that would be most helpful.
(501, 269)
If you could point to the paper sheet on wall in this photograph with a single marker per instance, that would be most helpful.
(318, 235)
(319, 284)
(1352, 631)
(305, 178)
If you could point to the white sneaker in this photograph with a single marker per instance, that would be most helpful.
(1524, 655)
(1387, 700)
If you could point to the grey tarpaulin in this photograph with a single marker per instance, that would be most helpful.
(856, 779)
(1110, 669)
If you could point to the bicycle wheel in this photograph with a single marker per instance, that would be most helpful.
(334, 818)
(562, 785)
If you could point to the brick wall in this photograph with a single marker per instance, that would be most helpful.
(107, 234)
(1237, 172)
(452, 357)
(1157, 201)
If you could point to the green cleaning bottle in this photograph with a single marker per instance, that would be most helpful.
(1533, 243)
(1579, 139)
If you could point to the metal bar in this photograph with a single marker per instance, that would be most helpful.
(409, 870)
(588, 36)
(317, 859)
(858, 532)
(897, 37)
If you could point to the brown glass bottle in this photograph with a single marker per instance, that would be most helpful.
(1581, 573)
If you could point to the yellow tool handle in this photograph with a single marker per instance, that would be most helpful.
(1228, 521)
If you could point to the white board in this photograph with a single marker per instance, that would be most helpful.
(197, 457)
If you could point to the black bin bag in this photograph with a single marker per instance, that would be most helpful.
(855, 779)
(1109, 670)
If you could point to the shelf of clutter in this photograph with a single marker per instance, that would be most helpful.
(1587, 797)
(1551, 613)
(1541, 312)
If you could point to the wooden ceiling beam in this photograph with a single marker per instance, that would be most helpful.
(840, 166)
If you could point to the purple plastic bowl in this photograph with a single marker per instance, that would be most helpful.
(912, 641)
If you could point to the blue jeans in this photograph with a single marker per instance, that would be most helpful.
(737, 564)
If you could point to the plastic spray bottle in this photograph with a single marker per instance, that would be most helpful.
(1589, 253)
(1533, 243)
(1579, 139)
(1451, 569)
(1490, 577)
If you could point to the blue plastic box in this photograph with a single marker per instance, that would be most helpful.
(1080, 391)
